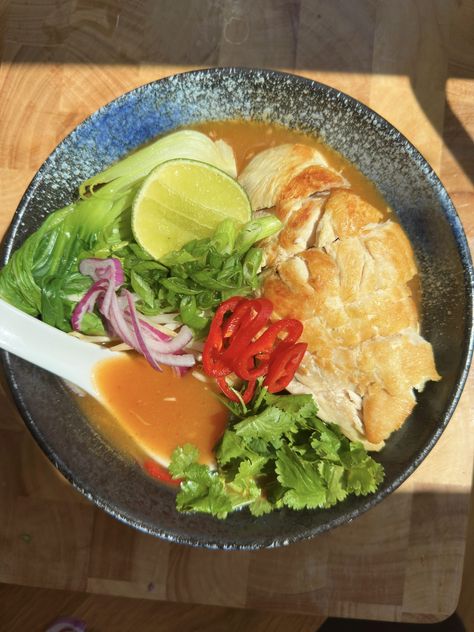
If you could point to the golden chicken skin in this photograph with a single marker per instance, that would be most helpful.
(346, 271)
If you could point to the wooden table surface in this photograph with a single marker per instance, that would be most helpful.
(410, 60)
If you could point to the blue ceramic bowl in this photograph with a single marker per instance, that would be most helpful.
(409, 185)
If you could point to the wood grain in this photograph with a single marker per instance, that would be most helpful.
(27, 609)
(412, 61)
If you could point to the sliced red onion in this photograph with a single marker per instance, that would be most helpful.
(186, 360)
(122, 317)
(171, 345)
(119, 323)
(103, 269)
(108, 297)
(87, 303)
(66, 624)
(157, 350)
(154, 331)
(180, 370)
(140, 341)
(164, 319)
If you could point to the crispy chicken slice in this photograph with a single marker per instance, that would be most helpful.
(344, 270)
(287, 172)
(294, 180)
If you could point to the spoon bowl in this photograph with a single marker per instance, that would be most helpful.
(57, 352)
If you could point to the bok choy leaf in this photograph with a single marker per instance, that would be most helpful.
(41, 277)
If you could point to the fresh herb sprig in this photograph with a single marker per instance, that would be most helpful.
(275, 453)
(193, 281)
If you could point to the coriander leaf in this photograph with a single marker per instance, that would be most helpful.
(276, 453)
(245, 489)
(181, 459)
(250, 468)
(244, 482)
(268, 425)
(203, 489)
(326, 441)
(207, 495)
(333, 477)
(230, 447)
(305, 485)
(206, 491)
(363, 473)
(260, 506)
(302, 407)
(261, 447)
(363, 478)
(274, 492)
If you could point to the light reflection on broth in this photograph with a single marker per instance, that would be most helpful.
(156, 423)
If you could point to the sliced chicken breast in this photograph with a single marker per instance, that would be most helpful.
(345, 271)
(287, 172)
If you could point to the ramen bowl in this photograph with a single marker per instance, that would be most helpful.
(409, 185)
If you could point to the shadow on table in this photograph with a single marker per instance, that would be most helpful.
(452, 624)
(316, 35)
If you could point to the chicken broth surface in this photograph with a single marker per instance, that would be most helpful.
(150, 413)
(248, 138)
(159, 411)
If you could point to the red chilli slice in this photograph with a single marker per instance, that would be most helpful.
(283, 365)
(242, 342)
(262, 349)
(159, 472)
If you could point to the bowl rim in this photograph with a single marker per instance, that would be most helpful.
(454, 397)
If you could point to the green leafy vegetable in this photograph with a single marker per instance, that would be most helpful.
(278, 453)
(41, 277)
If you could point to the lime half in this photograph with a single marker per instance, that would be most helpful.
(183, 200)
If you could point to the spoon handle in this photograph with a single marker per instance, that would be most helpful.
(49, 348)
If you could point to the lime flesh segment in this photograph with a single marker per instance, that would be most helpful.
(183, 200)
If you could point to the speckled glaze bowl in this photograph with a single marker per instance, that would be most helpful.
(381, 153)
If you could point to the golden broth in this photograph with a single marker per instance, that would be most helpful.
(153, 412)
(158, 410)
(248, 138)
